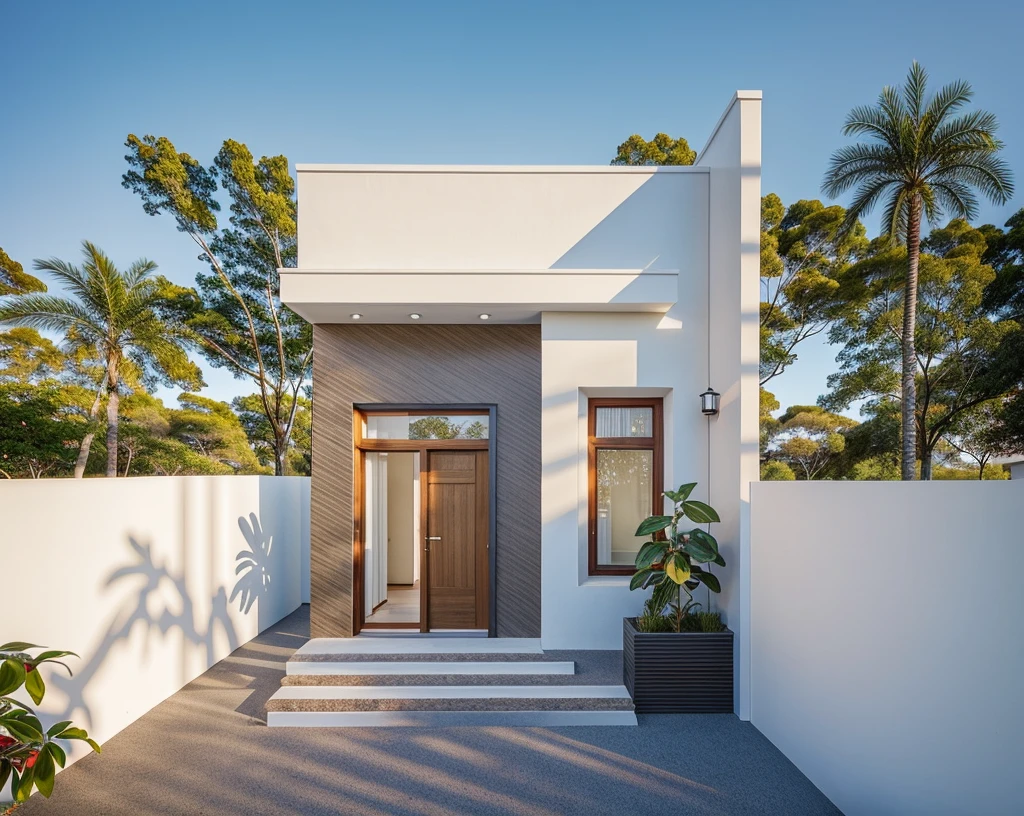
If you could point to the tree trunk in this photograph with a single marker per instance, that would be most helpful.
(909, 353)
(926, 465)
(83, 449)
(280, 455)
(113, 409)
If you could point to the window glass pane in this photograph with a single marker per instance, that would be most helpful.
(440, 426)
(624, 488)
(624, 422)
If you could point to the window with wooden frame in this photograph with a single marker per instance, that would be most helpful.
(625, 466)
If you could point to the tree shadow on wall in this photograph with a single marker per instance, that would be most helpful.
(253, 565)
(161, 602)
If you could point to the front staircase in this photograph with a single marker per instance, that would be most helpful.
(441, 681)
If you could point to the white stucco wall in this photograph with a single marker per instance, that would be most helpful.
(138, 577)
(734, 156)
(360, 217)
(886, 647)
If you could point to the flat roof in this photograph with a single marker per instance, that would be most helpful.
(496, 168)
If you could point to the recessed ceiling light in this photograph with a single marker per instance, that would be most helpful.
(485, 317)
(415, 316)
(356, 316)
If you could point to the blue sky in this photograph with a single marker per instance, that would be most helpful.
(440, 82)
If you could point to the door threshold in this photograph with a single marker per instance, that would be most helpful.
(437, 633)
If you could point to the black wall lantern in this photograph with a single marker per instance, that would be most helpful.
(709, 402)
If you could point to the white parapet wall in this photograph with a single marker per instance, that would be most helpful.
(886, 641)
(150, 580)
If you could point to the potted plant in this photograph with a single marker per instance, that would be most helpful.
(677, 657)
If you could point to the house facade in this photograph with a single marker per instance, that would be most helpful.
(507, 363)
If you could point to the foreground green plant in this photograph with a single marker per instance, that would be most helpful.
(29, 755)
(671, 562)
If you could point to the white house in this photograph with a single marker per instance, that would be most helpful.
(507, 363)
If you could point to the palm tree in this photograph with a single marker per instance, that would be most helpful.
(923, 159)
(112, 316)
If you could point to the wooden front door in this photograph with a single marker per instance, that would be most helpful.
(455, 544)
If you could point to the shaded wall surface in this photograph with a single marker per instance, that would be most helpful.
(886, 649)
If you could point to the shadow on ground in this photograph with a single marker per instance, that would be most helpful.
(207, 750)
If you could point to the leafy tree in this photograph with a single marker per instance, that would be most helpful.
(923, 158)
(37, 435)
(661, 150)
(804, 250)
(956, 341)
(872, 451)
(775, 471)
(1004, 297)
(811, 440)
(111, 315)
(14, 280)
(28, 357)
(439, 427)
(212, 429)
(235, 315)
(260, 433)
(975, 434)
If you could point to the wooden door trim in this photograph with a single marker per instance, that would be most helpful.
(361, 446)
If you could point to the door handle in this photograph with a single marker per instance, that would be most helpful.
(431, 538)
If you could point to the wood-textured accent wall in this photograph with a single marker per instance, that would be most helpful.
(373, 364)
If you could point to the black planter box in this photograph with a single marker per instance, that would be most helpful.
(677, 672)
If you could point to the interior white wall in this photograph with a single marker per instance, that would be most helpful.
(139, 578)
(401, 533)
(733, 153)
(886, 655)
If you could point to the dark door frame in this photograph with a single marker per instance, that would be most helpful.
(361, 446)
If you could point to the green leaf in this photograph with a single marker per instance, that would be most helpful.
(25, 785)
(698, 552)
(699, 512)
(719, 560)
(650, 553)
(50, 655)
(665, 592)
(704, 538)
(12, 675)
(5, 772)
(59, 757)
(56, 728)
(94, 745)
(638, 579)
(653, 524)
(684, 491)
(21, 731)
(34, 686)
(73, 733)
(18, 646)
(709, 580)
(44, 773)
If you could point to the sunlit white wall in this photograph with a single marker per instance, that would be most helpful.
(150, 580)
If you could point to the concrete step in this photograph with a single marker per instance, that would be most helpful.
(419, 648)
(445, 719)
(388, 705)
(439, 668)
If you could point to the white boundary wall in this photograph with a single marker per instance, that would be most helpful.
(887, 654)
(138, 576)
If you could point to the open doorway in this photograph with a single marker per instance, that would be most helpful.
(392, 536)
